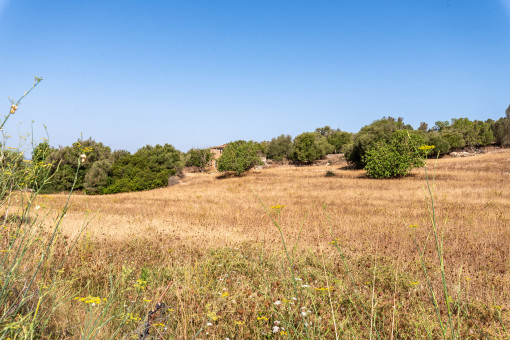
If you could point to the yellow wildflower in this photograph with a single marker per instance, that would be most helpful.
(239, 322)
(225, 294)
(412, 226)
(212, 316)
(262, 318)
(426, 147)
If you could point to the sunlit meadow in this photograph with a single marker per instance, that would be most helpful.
(281, 253)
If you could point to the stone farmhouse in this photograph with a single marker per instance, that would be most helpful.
(216, 151)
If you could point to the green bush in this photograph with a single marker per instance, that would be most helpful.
(441, 145)
(455, 139)
(369, 136)
(238, 157)
(199, 158)
(148, 168)
(310, 146)
(338, 139)
(280, 147)
(395, 158)
(65, 159)
(96, 178)
(501, 129)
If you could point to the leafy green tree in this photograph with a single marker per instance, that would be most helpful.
(66, 160)
(262, 148)
(485, 135)
(395, 158)
(423, 126)
(310, 146)
(41, 152)
(199, 158)
(380, 131)
(96, 178)
(280, 147)
(42, 169)
(148, 168)
(325, 131)
(238, 157)
(454, 139)
(441, 125)
(338, 139)
(441, 145)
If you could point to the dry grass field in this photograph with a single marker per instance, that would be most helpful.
(208, 249)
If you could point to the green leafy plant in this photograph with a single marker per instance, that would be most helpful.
(280, 147)
(238, 157)
(395, 158)
(199, 158)
(310, 146)
(369, 136)
(148, 168)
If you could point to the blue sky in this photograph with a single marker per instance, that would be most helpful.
(201, 73)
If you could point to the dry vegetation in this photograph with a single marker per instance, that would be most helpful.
(211, 243)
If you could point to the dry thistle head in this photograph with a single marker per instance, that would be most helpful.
(83, 157)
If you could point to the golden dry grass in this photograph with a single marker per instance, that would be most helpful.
(210, 242)
(369, 216)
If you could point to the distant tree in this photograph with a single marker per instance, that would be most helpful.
(338, 139)
(369, 136)
(118, 154)
(505, 141)
(96, 178)
(310, 146)
(262, 148)
(395, 158)
(485, 134)
(454, 139)
(41, 168)
(280, 147)
(41, 152)
(441, 125)
(148, 168)
(238, 157)
(66, 160)
(199, 158)
(325, 131)
(441, 145)
(423, 126)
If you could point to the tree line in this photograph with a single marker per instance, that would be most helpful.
(385, 148)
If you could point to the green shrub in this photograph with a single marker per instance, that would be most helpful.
(96, 178)
(310, 146)
(369, 136)
(65, 160)
(330, 173)
(148, 168)
(455, 139)
(395, 158)
(199, 158)
(441, 145)
(338, 139)
(280, 147)
(238, 157)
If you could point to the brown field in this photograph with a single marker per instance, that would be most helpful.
(206, 213)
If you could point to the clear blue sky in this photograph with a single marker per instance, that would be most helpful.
(199, 73)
